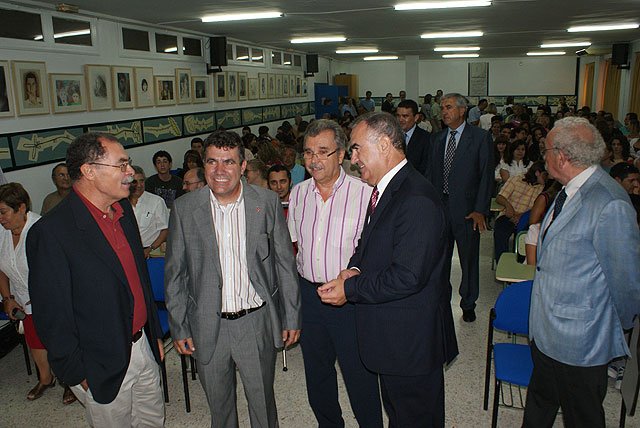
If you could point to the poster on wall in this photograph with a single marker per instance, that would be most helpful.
(165, 90)
(122, 84)
(298, 86)
(285, 85)
(278, 85)
(5, 154)
(271, 91)
(232, 86)
(263, 85)
(144, 86)
(99, 89)
(183, 77)
(30, 85)
(127, 133)
(253, 88)
(478, 79)
(201, 89)
(292, 85)
(164, 128)
(38, 147)
(68, 93)
(242, 87)
(199, 123)
(221, 86)
(6, 102)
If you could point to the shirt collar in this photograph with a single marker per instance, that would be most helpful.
(458, 130)
(336, 185)
(409, 133)
(576, 182)
(386, 179)
(97, 212)
(231, 205)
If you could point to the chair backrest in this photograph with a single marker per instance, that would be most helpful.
(156, 274)
(512, 308)
(523, 222)
(520, 244)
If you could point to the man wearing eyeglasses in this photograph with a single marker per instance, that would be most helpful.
(326, 216)
(93, 307)
(193, 179)
(61, 180)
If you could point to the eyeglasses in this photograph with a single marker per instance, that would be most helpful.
(545, 150)
(123, 166)
(188, 183)
(322, 154)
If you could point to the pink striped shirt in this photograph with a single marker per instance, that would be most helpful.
(327, 232)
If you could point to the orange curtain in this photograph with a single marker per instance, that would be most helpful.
(634, 105)
(611, 88)
(587, 85)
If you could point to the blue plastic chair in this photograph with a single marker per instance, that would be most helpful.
(512, 361)
(155, 265)
(523, 222)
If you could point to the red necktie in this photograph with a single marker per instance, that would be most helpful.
(374, 200)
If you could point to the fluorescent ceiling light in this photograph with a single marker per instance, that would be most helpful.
(243, 57)
(452, 34)
(379, 58)
(564, 45)
(603, 27)
(173, 49)
(319, 39)
(442, 4)
(223, 17)
(461, 56)
(67, 34)
(256, 58)
(457, 49)
(356, 51)
(542, 53)
(287, 63)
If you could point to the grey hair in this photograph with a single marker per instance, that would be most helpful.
(383, 124)
(138, 170)
(460, 100)
(579, 140)
(320, 125)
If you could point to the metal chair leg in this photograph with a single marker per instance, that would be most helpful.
(165, 387)
(25, 349)
(185, 383)
(496, 397)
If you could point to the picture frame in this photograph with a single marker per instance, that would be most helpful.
(183, 79)
(278, 92)
(165, 90)
(232, 86)
(254, 85)
(144, 86)
(6, 97)
(99, 88)
(263, 93)
(201, 89)
(271, 90)
(292, 85)
(298, 86)
(123, 94)
(243, 86)
(285, 85)
(31, 90)
(68, 92)
(305, 89)
(220, 86)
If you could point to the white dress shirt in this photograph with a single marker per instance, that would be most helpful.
(152, 216)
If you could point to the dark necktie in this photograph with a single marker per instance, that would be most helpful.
(448, 160)
(557, 207)
(374, 200)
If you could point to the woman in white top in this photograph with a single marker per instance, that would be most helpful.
(16, 219)
(515, 163)
(485, 119)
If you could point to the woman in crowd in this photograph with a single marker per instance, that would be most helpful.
(538, 136)
(191, 160)
(268, 153)
(538, 211)
(256, 173)
(485, 119)
(496, 126)
(500, 150)
(16, 219)
(516, 162)
(620, 150)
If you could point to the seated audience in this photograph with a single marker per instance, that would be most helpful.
(628, 177)
(496, 126)
(164, 184)
(198, 145)
(192, 159)
(246, 130)
(151, 213)
(193, 179)
(620, 149)
(250, 142)
(515, 163)
(256, 173)
(61, 180)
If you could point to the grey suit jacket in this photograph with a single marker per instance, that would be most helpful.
(193, 282)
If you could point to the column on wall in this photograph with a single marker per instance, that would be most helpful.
(587, 85)
(412, 75)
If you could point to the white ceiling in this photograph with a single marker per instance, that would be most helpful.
(511, 27)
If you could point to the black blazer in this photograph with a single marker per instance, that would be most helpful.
(417, 151)
(82, 302)
(472, 172)
(402, 296)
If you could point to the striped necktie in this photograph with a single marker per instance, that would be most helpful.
(448, 161)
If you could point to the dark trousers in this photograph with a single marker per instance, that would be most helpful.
(579, 391)
(502, 231)
(329, 332)
(468, 242)
(414, 401)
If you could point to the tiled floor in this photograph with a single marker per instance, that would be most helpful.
(464, 383)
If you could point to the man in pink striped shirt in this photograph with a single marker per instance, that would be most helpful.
(326, 217)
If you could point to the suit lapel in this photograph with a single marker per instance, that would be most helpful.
(252, 213)
(463, 145)
(204, 224)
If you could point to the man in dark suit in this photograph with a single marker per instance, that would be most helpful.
(416, 138)
(387, 104)
(461, 170)
(397, 279)
(93, 307)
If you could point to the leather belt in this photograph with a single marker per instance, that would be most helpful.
(136, 336)
(239, 314)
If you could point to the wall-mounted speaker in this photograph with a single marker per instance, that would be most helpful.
(312, 63)
(620, 54)
(218, 51)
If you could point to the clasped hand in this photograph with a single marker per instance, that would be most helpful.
(333, 291)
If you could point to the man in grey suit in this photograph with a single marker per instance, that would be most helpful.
(231, 284)
(587, 285)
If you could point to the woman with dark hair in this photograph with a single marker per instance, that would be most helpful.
(538, 136)
(620, 150)
(516, 161)
(16, 219)
(538, 211)
(191, 160)
(500, 150)
(517, 197)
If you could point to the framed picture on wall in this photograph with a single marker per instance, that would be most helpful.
(263, 77)
(99, 89)
(165, 88)
(30, 83)
(285, 85)
(201, 89)
(271, 91)
(305, 90)
(243, 86)
(298, 86)
(144, 86)
(68, 93)
(254, 88)
(221, 86)
(278, 85)
(6, 100)
(232, 86)
(292, 85)
(123, 87)
(183, 77)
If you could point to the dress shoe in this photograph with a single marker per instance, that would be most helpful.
(468, 315)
